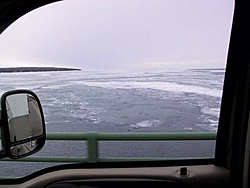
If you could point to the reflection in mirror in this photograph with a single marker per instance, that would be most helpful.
(24, 148)
(24, 117)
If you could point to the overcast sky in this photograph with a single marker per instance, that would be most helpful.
(121, 34)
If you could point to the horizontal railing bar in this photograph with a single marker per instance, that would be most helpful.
(56, 159)
(82, 159)
(90, 136)
(9, 177)
(132, 136)
(131, 159)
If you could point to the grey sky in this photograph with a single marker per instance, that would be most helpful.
(121, 34)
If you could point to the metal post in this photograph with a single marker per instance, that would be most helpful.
(92, 146)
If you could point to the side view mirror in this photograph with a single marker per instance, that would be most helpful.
(22, 124)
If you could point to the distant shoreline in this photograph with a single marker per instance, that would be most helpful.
(35, 69)
(209, 69)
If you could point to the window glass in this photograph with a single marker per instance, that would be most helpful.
(146, 67)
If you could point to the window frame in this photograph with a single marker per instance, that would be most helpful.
(235, 105)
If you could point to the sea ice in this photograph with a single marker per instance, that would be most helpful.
(147, 123)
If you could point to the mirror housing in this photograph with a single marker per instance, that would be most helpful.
(22, 124)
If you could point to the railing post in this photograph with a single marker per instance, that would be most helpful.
(92, 146)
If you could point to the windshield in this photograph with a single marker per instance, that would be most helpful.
(135, 67)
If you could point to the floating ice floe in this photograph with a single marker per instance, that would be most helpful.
(188, 128)
(211, 111)
(147, 123)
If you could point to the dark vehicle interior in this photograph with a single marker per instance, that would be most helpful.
(229, 168)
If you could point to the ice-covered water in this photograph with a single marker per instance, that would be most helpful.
(70, 96)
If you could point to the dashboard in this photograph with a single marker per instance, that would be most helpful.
(117, 182)
(204, 176)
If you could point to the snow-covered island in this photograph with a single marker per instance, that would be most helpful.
(35, 69)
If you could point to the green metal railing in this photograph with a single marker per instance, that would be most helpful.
(92, 139)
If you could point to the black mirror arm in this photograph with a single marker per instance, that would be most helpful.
(2, 149)
(3, 153)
